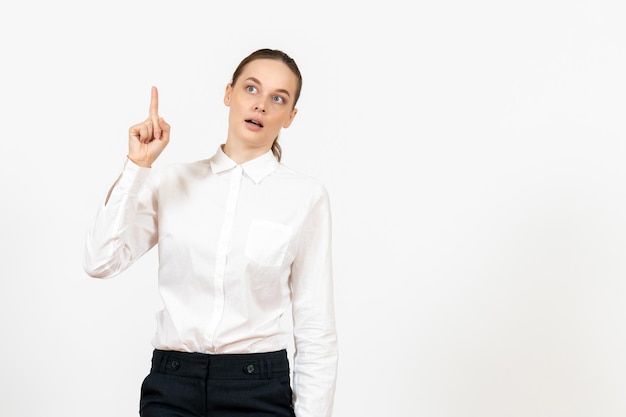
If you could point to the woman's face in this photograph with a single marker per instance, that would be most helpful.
(261, 103)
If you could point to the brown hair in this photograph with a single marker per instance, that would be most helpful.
(277, 55)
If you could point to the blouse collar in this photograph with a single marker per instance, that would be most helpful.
(257, 168)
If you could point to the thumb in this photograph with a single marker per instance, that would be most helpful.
(165, 129)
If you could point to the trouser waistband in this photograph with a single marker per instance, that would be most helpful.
(221, 366)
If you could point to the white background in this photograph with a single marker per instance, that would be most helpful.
(473, 151)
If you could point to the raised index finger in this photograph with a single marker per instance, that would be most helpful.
(154, 103)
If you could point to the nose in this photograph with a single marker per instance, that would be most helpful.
(259, 107)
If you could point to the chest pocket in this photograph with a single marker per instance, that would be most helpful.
(267, 242)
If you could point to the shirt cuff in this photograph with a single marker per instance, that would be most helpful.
(132, 177)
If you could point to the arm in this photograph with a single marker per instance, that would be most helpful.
(126, 224)
(315, 361)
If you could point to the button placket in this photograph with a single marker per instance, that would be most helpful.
(222, 249)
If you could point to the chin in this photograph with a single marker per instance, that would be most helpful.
(257, 142)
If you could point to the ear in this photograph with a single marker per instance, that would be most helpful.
(229, 89)
(290, 119)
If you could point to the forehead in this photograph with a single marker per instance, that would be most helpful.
(272, 74)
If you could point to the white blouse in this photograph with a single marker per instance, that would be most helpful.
(238, 245)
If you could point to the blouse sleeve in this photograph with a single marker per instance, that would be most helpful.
(125, 226)
(315, 338)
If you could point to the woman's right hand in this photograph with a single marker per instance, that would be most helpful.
(147, 140)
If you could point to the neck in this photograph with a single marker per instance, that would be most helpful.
(241, 154)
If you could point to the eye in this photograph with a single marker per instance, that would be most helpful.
(278, 99)
(251, 89)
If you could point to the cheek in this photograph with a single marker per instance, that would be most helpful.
(288, 119)
(239, 101)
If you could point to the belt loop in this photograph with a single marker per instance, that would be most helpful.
(162, 362)
(262, 368)
(268, 367)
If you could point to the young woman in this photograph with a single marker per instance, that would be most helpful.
(241, 239)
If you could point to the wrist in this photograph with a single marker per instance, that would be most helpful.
(139, 162)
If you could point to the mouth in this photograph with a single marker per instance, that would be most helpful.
(254, 122)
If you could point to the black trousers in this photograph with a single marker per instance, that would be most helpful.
(225, 385)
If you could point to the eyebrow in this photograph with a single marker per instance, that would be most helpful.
(280, 90)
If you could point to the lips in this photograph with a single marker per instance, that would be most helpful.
(255, 122)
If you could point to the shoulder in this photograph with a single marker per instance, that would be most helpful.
(299, 183)
(297, 176)
(182, 168)
(179, 173)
